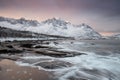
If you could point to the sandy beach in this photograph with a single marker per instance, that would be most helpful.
(10, 71)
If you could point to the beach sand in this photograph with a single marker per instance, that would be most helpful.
(10, 71)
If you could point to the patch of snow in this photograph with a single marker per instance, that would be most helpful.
(21, 39)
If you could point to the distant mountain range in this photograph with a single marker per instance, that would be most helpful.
(116, 36)
(52, 26)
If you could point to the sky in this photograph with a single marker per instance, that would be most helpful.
(101, 15)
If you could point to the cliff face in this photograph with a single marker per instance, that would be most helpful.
(6, 32)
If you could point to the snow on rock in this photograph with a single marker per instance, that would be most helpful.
(117, 36)
(52, 27)
(61, 27)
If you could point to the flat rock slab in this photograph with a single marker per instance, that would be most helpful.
(10, 51)
(54, 64)
(14, 57)
(58, 53)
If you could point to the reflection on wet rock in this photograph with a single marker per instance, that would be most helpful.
(53, 64)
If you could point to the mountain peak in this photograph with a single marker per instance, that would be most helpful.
(56, 21)
(85, 26)
(21, 21)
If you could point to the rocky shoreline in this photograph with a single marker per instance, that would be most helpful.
(19, 48)
(10, 52)
(59, 60)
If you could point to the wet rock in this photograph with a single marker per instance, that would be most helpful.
(27, 45)
(40, 46)
(14, 58)
(92, 43)
(56, 53)
(56, 43)
(54, 64)
(10, 51)
(9, 46)
(45, 42)
(75, 78)
(8, 41)
(72, 42)
(50, 53)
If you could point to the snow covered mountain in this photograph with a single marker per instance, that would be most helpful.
(52, 27)
(21, 21)
(116, 36)
(61, 27)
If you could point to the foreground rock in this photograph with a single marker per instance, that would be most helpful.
(2, 51)
(58, 53)
(53, 64)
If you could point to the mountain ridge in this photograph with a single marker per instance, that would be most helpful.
(51, 26)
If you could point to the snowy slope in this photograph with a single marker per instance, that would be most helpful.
(18, 24)
(51, 26)
(60, 27)
(116, 36)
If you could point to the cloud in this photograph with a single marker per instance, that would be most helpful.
(103, 7)
(6, 3)
(101, 14)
